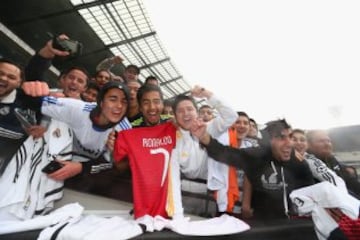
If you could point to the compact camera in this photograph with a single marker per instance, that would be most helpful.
(68, 45)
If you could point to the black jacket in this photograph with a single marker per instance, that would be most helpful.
(266, 175)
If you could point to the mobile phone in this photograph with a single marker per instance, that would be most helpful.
(51, 167)
(25, 118)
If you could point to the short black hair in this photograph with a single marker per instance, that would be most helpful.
(103, 70)
(136, 68)
(243, 114)
(183, 97)
(205, 106)
(9, 61)
(148, 88)
(169, 102)
(66, 71)
(149, 78)
(93, 85)
(273, 129)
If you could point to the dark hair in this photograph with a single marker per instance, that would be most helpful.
(136, 68)
(103, 70)
(148, 88)
(169, 102)
(149, 78)
(183, 97)
(205, 106)
(109, 85)
(68, 70)
(253, 121)
(93, 85)
(8, 61)
(273, 129)
(243, 114)
(100, 97)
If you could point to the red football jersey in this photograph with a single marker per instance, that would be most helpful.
(149, 151)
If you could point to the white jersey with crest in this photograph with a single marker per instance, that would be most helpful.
(32, 192)
(89, 141)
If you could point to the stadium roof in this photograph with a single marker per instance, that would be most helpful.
(105, 28)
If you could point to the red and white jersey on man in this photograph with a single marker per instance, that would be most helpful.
(149, 151)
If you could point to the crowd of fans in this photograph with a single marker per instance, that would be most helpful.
(108, 117)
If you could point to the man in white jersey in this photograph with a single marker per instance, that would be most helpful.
(90, 122)
(79, 146)
(188, 157)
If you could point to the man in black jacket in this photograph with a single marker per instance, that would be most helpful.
(12, 132)
(273, 168)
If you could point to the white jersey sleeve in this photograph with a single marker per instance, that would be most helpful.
(227, 116)
(68, 110)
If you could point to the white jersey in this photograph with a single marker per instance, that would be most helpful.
(63, 214)
(93, 227)
(314, 199)
(89, 141)
(322, 173)
(188, 157)
(222, 225)
(120, 227)
(32, 192)
(191, 158)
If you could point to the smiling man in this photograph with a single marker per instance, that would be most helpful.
(10, 79)
(12, 134)
(90, 122)
(151, 105)
(272, 168)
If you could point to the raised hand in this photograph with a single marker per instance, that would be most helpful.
(49, 52)
(200, 92)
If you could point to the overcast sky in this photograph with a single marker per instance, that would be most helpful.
(272, 59)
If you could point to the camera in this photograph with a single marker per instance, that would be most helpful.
(68, 45)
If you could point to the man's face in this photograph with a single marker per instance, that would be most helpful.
(168, 111)
(151, 106)
(299, 142)
(90, 95)
(185, 114)
(74, 83)
(133, 88)
(281, 145)
(253, 130)
(206, 114)
(320, 145)
(241, 126)
(101, 78)
(113, 106)
(131, 74)
(10, 78)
